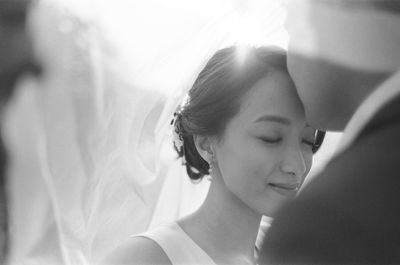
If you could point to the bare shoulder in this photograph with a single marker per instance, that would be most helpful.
(137, 250)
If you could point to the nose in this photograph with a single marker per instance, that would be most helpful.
(294, 163)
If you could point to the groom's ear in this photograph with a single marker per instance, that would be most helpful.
(203, 146)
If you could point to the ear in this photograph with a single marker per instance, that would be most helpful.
(204, 146)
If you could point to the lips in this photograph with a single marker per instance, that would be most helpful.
(286, 189)
(288, 186)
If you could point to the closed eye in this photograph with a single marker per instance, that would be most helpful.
(271, 140)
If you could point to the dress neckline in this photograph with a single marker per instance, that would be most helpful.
(192, 243)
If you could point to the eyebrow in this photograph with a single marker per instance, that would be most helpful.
(273, 118)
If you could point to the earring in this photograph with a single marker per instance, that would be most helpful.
(210, 170)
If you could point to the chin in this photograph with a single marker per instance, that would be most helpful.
(270, 212)
(325, 122)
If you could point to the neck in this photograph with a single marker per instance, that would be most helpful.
(224, 226)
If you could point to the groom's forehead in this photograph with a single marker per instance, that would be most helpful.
(392, 6)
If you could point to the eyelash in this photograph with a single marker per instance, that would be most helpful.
(272, 141)
(278, 140)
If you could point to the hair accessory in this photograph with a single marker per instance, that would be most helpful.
(177, 135)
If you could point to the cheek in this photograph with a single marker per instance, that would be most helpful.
(245, 169)
(300, 70)
(315, 84)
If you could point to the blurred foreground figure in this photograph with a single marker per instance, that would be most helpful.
(344, 58)
(15, 60)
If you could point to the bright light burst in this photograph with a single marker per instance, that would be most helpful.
(164, 43)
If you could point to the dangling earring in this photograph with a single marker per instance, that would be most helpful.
(210, 170)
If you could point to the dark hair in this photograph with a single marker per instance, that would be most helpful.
(216, 95)
(13, 15)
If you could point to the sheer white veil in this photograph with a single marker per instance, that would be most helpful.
(90, 141)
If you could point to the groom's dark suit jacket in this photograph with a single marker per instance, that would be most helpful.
(350, 214)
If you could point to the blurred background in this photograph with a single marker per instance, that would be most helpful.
(90, 144)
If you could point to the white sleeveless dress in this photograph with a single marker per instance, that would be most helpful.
(177, 245)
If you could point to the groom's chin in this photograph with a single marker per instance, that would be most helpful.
(325, 121)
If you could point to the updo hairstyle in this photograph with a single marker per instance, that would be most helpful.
(216, 96)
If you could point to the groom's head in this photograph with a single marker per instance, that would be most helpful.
(339, 52)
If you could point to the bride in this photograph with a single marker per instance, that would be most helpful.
(243, 127)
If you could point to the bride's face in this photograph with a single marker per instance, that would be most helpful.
(266, 149)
